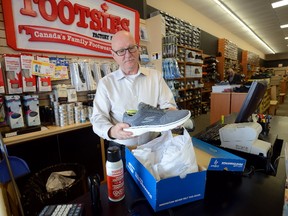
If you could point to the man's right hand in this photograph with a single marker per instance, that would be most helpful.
(117, 132)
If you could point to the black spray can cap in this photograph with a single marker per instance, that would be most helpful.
(113, 154)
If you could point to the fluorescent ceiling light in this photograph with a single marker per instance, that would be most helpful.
(279, 4)
(229, 11)
(286, 38)
(284, 26)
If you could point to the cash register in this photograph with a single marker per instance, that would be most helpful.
(244, 137)
(241, 137)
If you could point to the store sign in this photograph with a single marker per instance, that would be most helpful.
(67, 26)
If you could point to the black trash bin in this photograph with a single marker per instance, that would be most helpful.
(35, 196)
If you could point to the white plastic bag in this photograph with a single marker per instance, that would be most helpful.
(60, 180)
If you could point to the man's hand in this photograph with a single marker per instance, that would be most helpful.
(117, 132)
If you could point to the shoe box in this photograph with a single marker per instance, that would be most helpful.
(175, 191)
(14, 113)
(31, 110)
(193, 71)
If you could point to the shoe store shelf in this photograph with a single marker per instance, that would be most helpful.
(182, 73)
(44, 132)
(250, 63)
(227, 57)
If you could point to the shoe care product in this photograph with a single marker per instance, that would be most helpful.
(43, 82)
(115, 174)
(14, 111)
(2, 112)
(2, 85)
(28, 80)
(13, 74)
(96, 71)
(31, 110)
(88, 75)
(77, 76)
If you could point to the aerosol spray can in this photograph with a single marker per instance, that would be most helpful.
(115, 174)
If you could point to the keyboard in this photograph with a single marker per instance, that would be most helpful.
(211, 134)
(62, 210)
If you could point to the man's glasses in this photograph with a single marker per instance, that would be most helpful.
(130, 49)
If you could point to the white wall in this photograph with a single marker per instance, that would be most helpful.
(180, 9)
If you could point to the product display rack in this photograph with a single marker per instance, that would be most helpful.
(250, 63)
(227, 57)
(187, 86)
(181, 42)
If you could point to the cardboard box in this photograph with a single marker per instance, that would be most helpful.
(174, 191)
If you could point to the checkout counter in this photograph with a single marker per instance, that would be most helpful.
(226, 193)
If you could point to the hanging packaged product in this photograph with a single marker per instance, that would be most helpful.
(91, 84)
(60, 92)
(43, 81)
(2, 111)
(71, 94)
(2, 85)
(31, 110)
(77, 77)
(96, 71)
(105, 68)
(13, 74)
(14, 111)
(61, 69)
(28, 80)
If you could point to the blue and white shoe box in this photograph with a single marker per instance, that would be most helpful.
(175, 191)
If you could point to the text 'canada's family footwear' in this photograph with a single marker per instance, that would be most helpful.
(148, 118)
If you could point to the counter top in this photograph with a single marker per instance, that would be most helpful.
(45, 131)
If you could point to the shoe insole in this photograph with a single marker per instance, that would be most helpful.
(15, 115)
(33, 113)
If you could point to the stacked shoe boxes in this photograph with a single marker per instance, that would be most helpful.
(175, 191)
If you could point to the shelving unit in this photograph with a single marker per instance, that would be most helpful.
(188, 86)
(250, 63)
(227, 57)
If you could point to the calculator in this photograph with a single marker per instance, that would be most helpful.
(75, 209)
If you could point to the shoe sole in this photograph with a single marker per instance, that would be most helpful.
(139, 130)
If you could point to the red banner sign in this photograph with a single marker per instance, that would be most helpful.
(66, 26)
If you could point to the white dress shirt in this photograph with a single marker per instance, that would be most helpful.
(117, 93)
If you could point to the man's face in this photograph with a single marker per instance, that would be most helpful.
(128, 62)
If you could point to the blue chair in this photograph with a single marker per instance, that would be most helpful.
(18, 166)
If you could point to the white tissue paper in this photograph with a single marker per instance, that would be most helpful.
(168, 155)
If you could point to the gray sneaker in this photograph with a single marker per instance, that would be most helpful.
(149, 118)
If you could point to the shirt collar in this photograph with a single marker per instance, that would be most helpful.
(120, 75)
